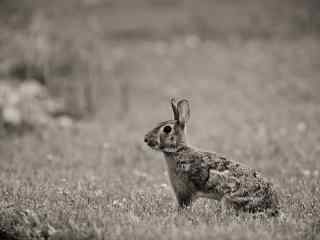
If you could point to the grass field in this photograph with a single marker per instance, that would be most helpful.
(255, 98)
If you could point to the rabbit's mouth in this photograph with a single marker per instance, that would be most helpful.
(168, 149)
(152, 143)
(155, 147)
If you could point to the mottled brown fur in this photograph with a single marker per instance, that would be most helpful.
(194, 173)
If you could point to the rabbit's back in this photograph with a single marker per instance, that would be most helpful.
(216, 177)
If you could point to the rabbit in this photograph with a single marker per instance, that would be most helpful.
(194, 173)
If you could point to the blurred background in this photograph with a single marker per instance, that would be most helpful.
(113, 59)
(82, 81)
(250, 69)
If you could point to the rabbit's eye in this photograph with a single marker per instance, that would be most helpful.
(167, 129)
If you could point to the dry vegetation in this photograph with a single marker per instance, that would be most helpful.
(253, 83)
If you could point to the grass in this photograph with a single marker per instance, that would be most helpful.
(256, 100)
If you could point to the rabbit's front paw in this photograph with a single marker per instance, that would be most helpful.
(183, 166)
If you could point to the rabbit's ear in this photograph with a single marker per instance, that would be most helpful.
(183, 111)
(174, 109)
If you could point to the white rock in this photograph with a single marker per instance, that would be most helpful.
(11, 115)
(31, 89)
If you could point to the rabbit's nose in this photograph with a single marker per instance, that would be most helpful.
(150, 141)
(146, 138)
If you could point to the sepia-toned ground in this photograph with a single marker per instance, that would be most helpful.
(254, 98)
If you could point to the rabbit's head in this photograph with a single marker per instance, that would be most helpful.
(168, 136)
